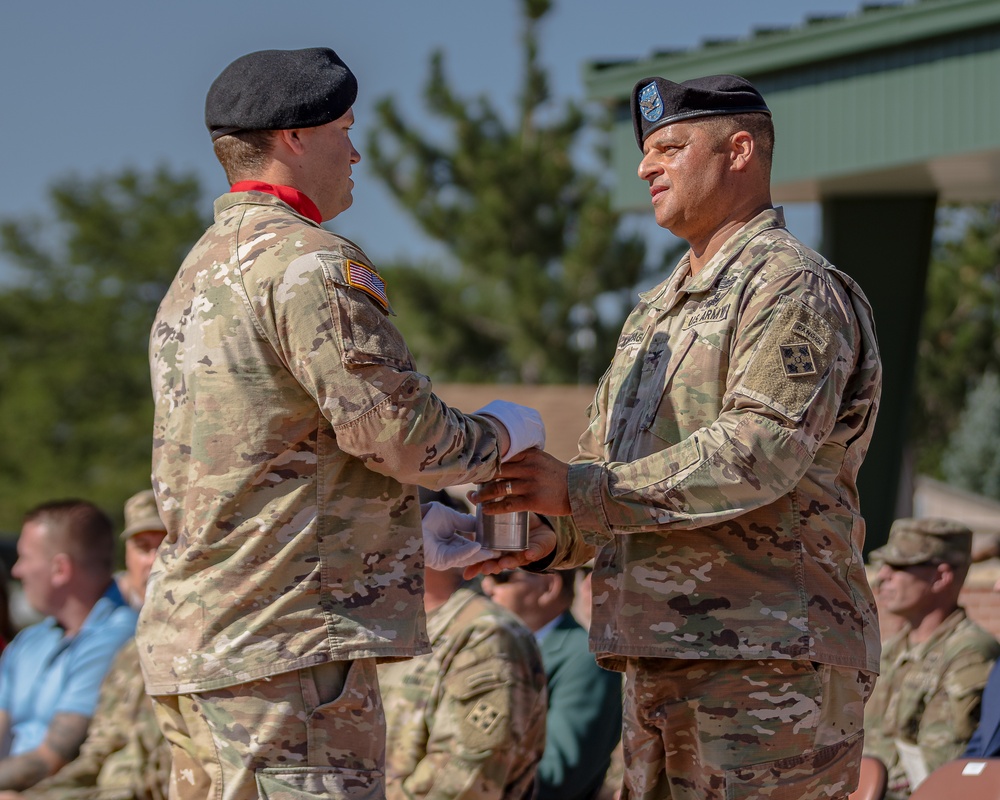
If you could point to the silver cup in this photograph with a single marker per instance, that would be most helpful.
(507, 531)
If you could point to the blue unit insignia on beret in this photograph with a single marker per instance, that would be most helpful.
(368, 281)
(650, 102)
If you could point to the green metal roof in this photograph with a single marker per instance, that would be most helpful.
(893, 99)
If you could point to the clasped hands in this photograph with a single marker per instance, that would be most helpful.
(532, 480)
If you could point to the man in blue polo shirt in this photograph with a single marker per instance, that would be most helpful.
(50, 675)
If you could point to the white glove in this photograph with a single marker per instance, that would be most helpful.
(444, 546)
(524, 425)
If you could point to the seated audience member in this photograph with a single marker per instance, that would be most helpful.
(125, 756)
(51, 674)
(142, 535)
(468, 719)
(927, 699)
(584, 718)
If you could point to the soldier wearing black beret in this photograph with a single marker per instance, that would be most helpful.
(291, 429)
(717, 482)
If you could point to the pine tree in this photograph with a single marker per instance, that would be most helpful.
(75, 401)
(539, 276)
(971, 460)
(960, 333)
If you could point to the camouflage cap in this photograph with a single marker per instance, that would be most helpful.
(141, 514)
(918, 541)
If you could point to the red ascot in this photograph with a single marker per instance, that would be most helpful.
(287, 194)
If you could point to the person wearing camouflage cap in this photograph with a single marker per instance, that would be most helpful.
(717, 481)
(143, 533)
(926, 704)
(291, 430)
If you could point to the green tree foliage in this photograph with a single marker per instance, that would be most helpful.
(971, 460)
(75, 404)
(539, 275)
(960, 335)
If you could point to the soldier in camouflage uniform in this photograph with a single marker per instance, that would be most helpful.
(291, 429)
(926, 705)
(466, 721)
(717, 480)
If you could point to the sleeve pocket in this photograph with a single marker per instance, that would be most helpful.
(791, 360)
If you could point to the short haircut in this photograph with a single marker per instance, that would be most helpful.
(244, 154)
(79, 529)
(759, 126)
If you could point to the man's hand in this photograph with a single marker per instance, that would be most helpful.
(444, 547)
(541, 542)
(532, 481)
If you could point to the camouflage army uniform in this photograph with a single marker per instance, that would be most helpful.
(290, 429)
(125, 756)
(717, 479)
(468, 720)
(929, 695)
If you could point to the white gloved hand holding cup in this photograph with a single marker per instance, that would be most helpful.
(444, 545)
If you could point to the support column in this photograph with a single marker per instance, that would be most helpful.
(884, 243)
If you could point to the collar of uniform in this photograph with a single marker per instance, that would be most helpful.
(440, 618)
(233, 199)
(918, 652)
(288, 194)
(734, 245)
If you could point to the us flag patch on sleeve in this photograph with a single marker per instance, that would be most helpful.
(368, 281)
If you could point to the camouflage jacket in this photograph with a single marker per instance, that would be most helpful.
(718, 474)
(468, 720)
(290, 430)
(929, 695)
(125, 756)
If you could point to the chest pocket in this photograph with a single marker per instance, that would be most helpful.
(689, 390)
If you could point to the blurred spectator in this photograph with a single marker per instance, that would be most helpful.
(583, 722)
(926, 702)
(125, 756)
(468, 719)
(50, 675)
(143, 533)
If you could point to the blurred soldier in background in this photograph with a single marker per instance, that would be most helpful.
(926, 704)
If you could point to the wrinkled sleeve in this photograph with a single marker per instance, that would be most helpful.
(341, 347)
(488, 731)
(791, 356)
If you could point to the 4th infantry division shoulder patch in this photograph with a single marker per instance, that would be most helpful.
(797, 359)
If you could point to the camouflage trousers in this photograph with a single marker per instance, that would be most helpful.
(735, 730)
(316, 732)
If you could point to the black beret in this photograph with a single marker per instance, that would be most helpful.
(657, 102)
(280, 89)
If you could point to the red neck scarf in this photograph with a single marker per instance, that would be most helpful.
(294, 198)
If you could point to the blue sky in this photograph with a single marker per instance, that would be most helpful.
(90, 88)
